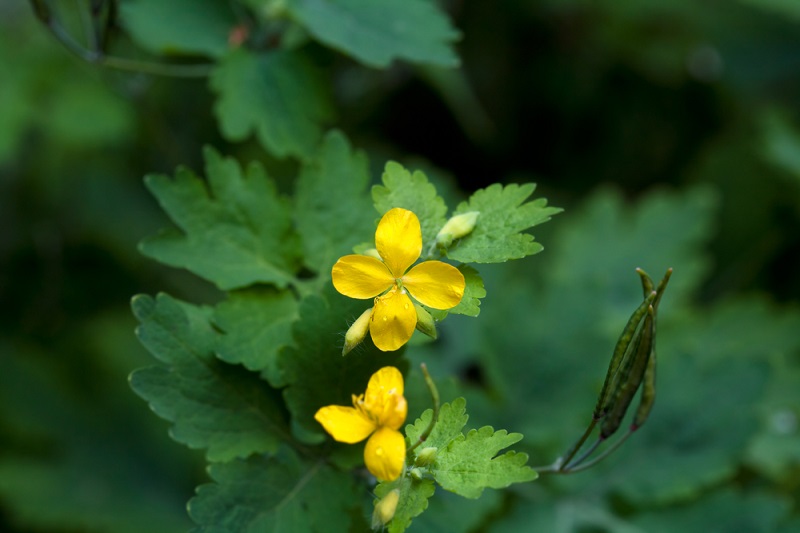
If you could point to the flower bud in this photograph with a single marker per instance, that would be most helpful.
(417, 473)
(357, 332)
(425, 322)
(384, 509)
(426, 456)
(457, 227)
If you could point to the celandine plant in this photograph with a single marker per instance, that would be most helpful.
(282, 381)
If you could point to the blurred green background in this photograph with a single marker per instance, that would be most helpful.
(670, 132)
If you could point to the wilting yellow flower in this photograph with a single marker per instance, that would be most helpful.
(398, 240)
(377, 414)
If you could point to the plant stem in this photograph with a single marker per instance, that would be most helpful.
(435, 398)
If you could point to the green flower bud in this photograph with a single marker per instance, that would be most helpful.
(357, 332)
(417, 473)
(425, 322)
(426, 456)
(457, 227)
(384, 509)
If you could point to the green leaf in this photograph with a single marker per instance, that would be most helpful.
(276, 95)
(413, 500)
(256, 323)
(504, 214)
(280, 494)
(376, 32)
(179, 26)
(223, 409)
(413, 192)
(452, 419)
(470, 302)
(234, 231)
(332, 209)
(317, 373)
(468, 464)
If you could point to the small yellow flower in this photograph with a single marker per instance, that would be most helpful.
(398, 240)
(379, 412)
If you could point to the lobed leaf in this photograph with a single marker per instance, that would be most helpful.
(276, 95)
(468, 464)
(504, 214)
(410, 191)
(255, 324)
(331, 210)
(317, 373)
(220, 408)
(376, 32)
(179, 26)
(452, 419)
(274, 494)
(233, 231)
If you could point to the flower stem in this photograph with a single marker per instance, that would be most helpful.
(435, 398)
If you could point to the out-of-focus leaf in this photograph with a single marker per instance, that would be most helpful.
(787, 8)
(563, 514)
(179, 26)
(332, 209)
(414, 192)
(376, 32)
(234, 231)
(276, 95)
(781, 143)
(70, 465)
(454, 514)
(725, 510)
(318, 340)
(256, 323)
(504, 214)
(223, 409)
(278, 494)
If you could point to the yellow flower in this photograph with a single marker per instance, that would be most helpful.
(398, 240)
(379, 412)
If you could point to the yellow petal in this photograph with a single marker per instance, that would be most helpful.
(345, 424)
(385, 454)
(435, 284)
(399, 240)
(384, 399)
(360, 276)
(393, 320)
